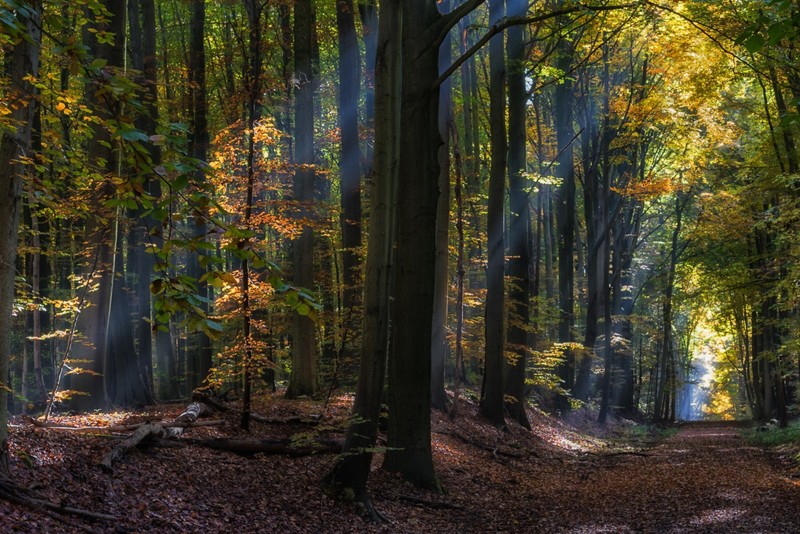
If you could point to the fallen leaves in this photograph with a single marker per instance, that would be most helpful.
(563, 477)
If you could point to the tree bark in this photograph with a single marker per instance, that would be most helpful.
(440, 347)
(303, 380)
(93, 322)
(565, 209)
(410, 361)
(349, 157)
(519, 252)
(199, 358)
(352, 467)
(21, 62)
(491, 405)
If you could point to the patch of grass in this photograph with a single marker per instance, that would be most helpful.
(775, 436)
(652, 432)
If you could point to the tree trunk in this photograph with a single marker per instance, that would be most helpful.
(21, 62)
(491, 404)
(410, 361)
(519, 252)
(440, 347)
(199, 357)
(349, 158)
(352, 467)
(565, 210)
(93, 321)
(303, 380)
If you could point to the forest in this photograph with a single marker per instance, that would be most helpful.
(356, 245)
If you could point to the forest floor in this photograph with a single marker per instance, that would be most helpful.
(564, 476)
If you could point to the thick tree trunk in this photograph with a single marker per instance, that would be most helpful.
(99, 234)
(519, 251)
(410, 361)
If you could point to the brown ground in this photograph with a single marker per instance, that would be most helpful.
(706, 478)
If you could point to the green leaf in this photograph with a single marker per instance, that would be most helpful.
(133, 135)
(754, 43)
(98, 63)
(180, 182)
(213, 325)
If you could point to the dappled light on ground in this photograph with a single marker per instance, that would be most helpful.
(569, 476)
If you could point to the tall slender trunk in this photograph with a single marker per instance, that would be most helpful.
(199, 359)
(440, 347)
(491, 404)
(665, 397)
(565, 210)
(350, 165)
(22, 62)
(254, 9)
(303, 380)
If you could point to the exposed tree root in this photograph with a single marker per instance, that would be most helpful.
(367, 510)
(496, 451)
(428, 504)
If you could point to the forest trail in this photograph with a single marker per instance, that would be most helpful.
(705, 478)
(564, 477)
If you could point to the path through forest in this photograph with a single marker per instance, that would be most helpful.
(705, 478)
(564, 477)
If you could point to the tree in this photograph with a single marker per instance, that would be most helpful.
(22, 62)
(519, 247)
(99, 235)
(303, 380)
(351, 469)
(492, 391)
(199, 360)
(350, 154)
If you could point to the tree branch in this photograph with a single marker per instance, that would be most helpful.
(513, 21)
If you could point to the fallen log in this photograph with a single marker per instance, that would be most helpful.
(199, 396)
(249, 447)
(142, 434)
(193, 412)
(124, 428)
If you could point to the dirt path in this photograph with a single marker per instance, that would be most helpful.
(706, 478)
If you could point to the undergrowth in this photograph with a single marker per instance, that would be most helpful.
(775, 436)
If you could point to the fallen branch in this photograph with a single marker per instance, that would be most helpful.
(248, 447)
(620, 453)
(12, 492)
(295, 420)
(428, 504)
